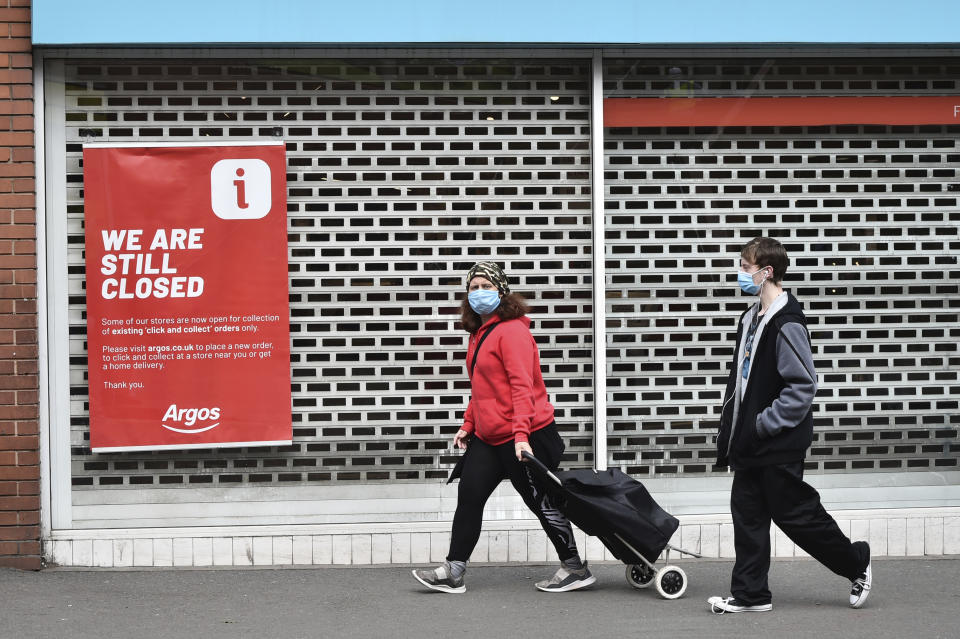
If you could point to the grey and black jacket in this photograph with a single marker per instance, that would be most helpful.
(767, 418)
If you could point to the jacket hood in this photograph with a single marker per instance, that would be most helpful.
(792, 308)
(496, 318)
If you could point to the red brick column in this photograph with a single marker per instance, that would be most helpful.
(19, 432)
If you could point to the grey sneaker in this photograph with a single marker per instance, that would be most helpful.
(720, 605)
(565, 580)
(440, 578)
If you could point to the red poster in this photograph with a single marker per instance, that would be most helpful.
(188, 334)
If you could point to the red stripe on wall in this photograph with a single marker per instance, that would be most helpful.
(656, 112)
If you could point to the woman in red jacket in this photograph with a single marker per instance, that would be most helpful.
(508, 413)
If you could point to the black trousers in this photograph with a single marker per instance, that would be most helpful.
(484, 467)
(778, 493)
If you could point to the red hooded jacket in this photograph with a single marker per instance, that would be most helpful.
(509, 399)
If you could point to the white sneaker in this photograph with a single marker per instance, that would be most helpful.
(861, 588)
(720, 605)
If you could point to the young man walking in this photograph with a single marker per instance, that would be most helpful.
(766, 426)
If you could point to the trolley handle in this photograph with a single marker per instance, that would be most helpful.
(541, 467)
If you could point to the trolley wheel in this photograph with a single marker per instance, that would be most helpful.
(671, 582)
(640, 575)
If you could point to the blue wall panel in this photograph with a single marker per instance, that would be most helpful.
(392, 22)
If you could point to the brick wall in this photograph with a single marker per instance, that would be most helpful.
(19, 433)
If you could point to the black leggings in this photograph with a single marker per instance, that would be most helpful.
(484, 467)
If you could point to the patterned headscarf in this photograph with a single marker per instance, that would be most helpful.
(492, 272)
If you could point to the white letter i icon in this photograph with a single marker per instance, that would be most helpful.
(241, 193)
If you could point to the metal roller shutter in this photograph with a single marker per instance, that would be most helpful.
(401, 175)
(869, 216)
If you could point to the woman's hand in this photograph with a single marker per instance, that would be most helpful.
(520, 447)
(460, 439)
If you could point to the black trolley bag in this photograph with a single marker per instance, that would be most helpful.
(618, 510)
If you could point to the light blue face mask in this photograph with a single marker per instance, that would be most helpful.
(745, 280)
(483, 301)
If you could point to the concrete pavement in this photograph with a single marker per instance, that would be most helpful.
(917, 597)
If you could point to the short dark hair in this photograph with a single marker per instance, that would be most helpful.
(511, 307)
(766, 251)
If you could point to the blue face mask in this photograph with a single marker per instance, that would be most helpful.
(745, 280)
(483, 301)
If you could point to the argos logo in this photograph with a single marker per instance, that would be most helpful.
(189, 417)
